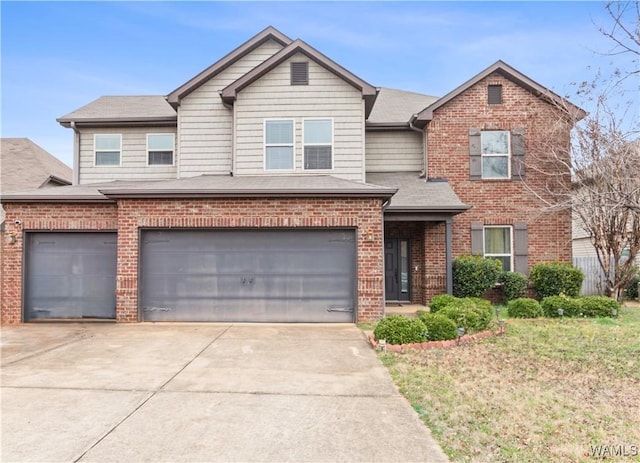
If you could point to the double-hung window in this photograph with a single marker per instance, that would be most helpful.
(497, 245)
(496, 153)
(278, 144)
(160, 149)
(318, 143)
(107, 147)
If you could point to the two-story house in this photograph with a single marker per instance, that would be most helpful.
(278, 186)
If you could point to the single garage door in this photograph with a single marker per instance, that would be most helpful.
(248, 275)
(70, 275)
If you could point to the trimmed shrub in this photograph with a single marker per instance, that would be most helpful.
(598, 306)
(439, 327)
(524, 307)
(468, 314)
(397, 329)
(440, 301)
(556, 278)
(484, 310)
(474, 275)
(631, 291)
(551, 304)
(514, 285)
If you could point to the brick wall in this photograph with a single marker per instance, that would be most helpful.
(502, 202)
(41, 217)
(130, 215)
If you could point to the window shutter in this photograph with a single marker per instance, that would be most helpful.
(521, 248)
(475, 154)
(300, 73)
(517, 153)
(477, 239)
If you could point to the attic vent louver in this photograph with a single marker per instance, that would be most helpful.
(300, 73)
(494, 94)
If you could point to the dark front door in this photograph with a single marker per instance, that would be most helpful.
(396, 269)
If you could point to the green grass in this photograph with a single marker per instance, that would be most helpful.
(545, 392)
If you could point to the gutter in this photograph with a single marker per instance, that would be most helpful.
(76, 153)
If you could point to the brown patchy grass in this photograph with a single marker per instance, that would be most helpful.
(547, 391)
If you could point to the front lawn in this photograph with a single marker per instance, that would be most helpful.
(547, 391)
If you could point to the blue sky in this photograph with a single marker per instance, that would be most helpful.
(58, 56)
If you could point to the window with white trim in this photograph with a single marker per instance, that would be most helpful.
(318, 143)
(160, 149)
(278, 144)
(107, 148)
(496, 154)
(498, 245)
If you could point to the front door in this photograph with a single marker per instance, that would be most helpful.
(396, 269)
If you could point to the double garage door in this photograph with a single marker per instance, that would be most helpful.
(198, 275)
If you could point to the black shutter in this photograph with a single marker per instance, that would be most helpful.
(300, 73)
(477, 238)
(517, 153)
(521, 245)
(475, 154)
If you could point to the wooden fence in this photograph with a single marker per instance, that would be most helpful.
(593, 276)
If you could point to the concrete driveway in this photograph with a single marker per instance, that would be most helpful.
(202, 392)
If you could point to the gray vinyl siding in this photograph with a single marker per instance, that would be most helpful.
(326, 96)
(394, 151)
(206, 125)
(133, 156)
(582, 247)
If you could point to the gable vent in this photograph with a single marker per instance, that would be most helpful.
(300, 73)
(494, 94)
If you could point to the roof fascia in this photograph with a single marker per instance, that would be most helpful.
(55, 180)
(385, 126)
(510, 73)
(369, 92)
(270, 33)
(31, 198)
(171, 121)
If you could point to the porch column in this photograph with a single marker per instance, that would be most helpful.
(448, 252)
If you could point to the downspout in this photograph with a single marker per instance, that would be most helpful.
(423, 132)
(232, 108)
(76, 153)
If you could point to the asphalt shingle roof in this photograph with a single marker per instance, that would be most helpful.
(398, 106)
(123, 108)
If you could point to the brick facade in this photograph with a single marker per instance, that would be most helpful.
(502, 202)
(129, 216)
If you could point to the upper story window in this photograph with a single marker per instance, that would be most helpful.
(160, 149)
(300, 73)
(497, 245)
(107, 148)
(496, 152)
(278, 144)
(318, 143)
(494, 94)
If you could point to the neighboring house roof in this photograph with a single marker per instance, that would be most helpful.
(396, 107)
(26, 166)
(117, 110)
(205, 186)
(510, 73)
(416, 194)
(369, 92)
(270, 33)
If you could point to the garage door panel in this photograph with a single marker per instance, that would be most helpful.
(222, 275)
(70, 275)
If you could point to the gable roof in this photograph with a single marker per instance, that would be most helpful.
(510, 73)
(141, 109)
(26, 166)
(270, 33)
(396, 107)
(369, 92)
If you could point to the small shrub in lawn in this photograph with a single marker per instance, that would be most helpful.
(440, 301)
(474, 275)
(439, 327)
(555, 278)
(484, 310)
(598, 306)
(468, 314)
(397, 329)
(513, 285)
(525, 307)
(570, 306)
(631, 291)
